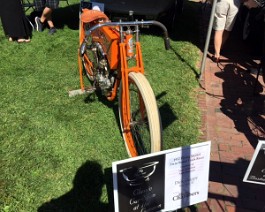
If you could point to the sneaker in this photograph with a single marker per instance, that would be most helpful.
(39, 25)
(52, 30)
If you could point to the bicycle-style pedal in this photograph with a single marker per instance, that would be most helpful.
(88, 90)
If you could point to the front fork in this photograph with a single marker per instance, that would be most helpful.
(125, 56)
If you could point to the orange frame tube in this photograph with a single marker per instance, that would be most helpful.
(80, 65)
(125, 79)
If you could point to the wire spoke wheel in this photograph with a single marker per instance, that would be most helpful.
(142, 135)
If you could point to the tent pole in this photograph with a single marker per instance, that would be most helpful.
(206, 46)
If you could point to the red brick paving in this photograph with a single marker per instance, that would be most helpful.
(234, 122)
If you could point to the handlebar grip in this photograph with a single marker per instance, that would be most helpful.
(167, 43)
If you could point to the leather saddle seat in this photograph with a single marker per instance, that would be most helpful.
(88, 16)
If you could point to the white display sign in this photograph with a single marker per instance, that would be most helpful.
(162, 181)
(187, 174)
(256, 169)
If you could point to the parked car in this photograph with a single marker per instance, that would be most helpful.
(161, 10)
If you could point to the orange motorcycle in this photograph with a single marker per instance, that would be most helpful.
(110, 56)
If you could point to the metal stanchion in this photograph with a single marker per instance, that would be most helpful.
(206, 46)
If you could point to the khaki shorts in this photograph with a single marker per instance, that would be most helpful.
(225, 14)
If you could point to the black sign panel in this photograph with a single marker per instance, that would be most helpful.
(140, 183)
(256, 170)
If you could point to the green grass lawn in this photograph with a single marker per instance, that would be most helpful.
(56, 152)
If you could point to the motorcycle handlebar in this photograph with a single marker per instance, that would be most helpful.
(134, 23)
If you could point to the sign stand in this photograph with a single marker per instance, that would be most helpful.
(256, 169)
(162, 181)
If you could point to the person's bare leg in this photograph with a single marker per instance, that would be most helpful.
(49, 20)
(218, 40)
(50, 23)
(225, 37)
(46, 14)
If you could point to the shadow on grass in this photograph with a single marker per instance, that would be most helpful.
(167, 115)
(197, 75)
(86, 192)
(98, 96)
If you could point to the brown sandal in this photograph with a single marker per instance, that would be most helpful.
(215, 59)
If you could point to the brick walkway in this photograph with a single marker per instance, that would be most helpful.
(234, 121)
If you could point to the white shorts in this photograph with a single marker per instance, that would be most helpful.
(225, 14)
